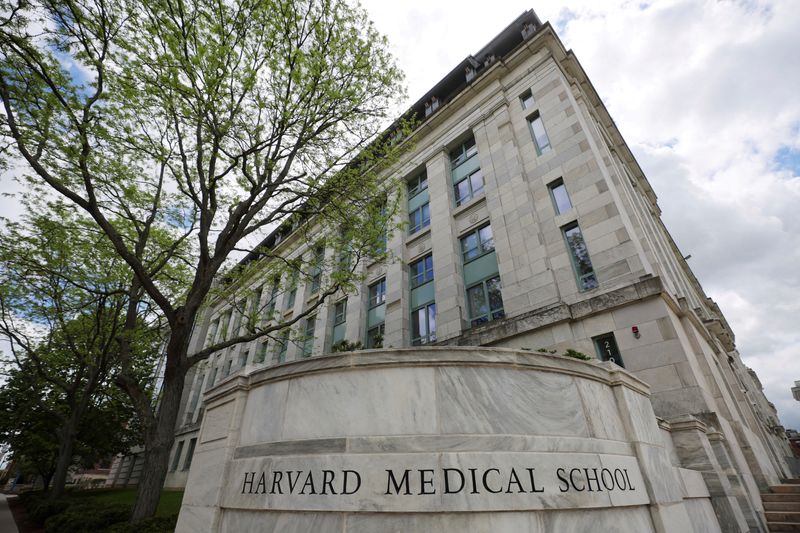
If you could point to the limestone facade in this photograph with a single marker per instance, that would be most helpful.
(575, 274)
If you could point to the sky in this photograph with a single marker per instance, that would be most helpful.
(707, 96)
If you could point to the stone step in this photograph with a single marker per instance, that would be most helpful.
(782, 526)
(778, 497)
(791, 481)
(783, 489)
(792, 517)
(782, 506)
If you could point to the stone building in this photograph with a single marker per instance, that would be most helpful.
(530, 227)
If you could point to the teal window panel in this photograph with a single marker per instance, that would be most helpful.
(466, 168)
(422, 295)
(376, 315)
(418, 200)
(338, 333)
(481, 268)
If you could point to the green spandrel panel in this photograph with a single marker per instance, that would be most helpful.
(376, 315)
(466, 168)
(422, 295)
(338, 333)
(481, 268)
(418, 200)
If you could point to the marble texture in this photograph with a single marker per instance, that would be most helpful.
(702, 515)
(502, 400)
(264, 413)
(217, 422)
(601, 410)
(239, 521)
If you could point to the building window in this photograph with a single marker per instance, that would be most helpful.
(282, 347)
(419, 218)
(176, 459)
(526, 99)
(228, 365)
(212, 332)
(292, 290)
(308, 336)
(607, 350)
(377, 293)
(375, 336)
(339, 319)
(212, 379)
(316, 268)
(540, 138)
(558, 193)
(421, 271)
(477, 243)
(261, 352)
(419, 212)
(273, 297)
(243, 358)
(423, 325)
(579, 256)
(467, 177)
(417, 185)
(189, 454)
(485, 301)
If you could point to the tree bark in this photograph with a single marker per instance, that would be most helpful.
(158, 443)
(64, 461)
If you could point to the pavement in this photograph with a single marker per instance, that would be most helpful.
(7, 524)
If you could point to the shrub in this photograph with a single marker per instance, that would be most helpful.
(87, 517)
(40, 508)
(158, 524)
(577, 355)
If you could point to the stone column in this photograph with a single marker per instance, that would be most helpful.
(695, 452)
(218, 437)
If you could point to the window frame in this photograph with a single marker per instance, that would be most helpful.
(176, 459)
(380, 296)
(465, 152)
(420, 182)
(187, 462)
(309, 336)
(427, 273)
(482, 250)
(336, 314)
(473, 193)
(602, 352)
(431, 333)
(317, 260)
(490, 313)
(579, 278)
(524, 97)
(540, 150)
(551, 188)
(382, 330)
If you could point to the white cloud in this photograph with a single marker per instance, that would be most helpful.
(705, 94)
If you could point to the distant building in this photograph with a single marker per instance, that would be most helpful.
(532, 226)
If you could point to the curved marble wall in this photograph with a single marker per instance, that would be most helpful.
(436, 439)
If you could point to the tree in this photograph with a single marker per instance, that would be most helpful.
(207, 123)
(62, 302)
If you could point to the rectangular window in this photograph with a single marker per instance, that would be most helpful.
(417, 185)
(176, 459)
(316, 268)
(377, 293)
(485, 301)
(375, 336)
(469, 187)
(228, 365)
(526, 99)
(540, 138)
(340, 312)
(558, 193)
(308, 336)
(607, 350)
(273, 297)
(423, 325)
(212, 332)
(421, 271)
(283, 347)
(579, 255)
(189, 454)
(463, 152)
(477, 243)
(243, 357)
(261, 352)
(419, 218)
(292, 290)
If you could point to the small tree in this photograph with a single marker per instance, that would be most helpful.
(205, 123)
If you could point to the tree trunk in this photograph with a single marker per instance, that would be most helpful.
(158, 443)
(65, 447)
(46, 482)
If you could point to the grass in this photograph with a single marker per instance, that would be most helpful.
(169, 504)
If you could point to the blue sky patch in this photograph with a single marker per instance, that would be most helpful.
(788, 159)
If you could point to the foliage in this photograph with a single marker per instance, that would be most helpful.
(346, 346)
(577, 355)
(87, 517)
(157, 524)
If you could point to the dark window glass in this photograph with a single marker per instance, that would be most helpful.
(421, 271)
(580, 258)
(485, 301)
(423, 325)
(377, 293)
(558, 191)
(607, 350)
(540, 138)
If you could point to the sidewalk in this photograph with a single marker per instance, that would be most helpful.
(7, 524)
